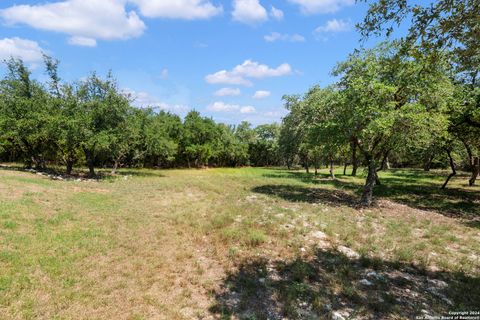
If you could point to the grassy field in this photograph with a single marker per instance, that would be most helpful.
(236, 243)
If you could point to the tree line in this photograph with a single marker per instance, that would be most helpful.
(93, 123)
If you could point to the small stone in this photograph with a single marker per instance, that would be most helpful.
(447, 301)
(438, 283)
(319, 235)
(348, 252)
(365, 282)
(337, 316)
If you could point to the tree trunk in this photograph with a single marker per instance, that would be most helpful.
(115, 167)
(89, 157)
(452, 166)
(39, 162)
(367, 196)
(307, 169)
(475, 171)
(385, 164)
(354, 158)
(69, 165)
(345, 169)
(332, 174)
(316, 170)
(428, 163)
(91, 168)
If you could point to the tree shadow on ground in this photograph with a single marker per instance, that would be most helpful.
(329, 284)
(81, 173)
(296, 193)
(413, 188)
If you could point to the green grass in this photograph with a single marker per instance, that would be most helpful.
(183, 244)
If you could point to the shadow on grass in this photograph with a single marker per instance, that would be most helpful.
(81, 173)
(330, 283)
(295, 193)
(414, 188)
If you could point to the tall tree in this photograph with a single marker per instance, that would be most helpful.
(103, 110)
(200, 139)
(383, 100)
(25, 115)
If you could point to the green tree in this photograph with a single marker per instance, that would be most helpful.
(162, 132)
(292, 139)
(25, 115)
(264, 150)
(441, 24)
(103, 112)
(384, 100)
(245, 136)
(200, 139)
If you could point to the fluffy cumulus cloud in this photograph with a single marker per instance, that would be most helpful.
(249, 11)
(275, 36)
(334, 25)
(276, 14)
(321, 6)
(220, 106)
(224, 92)
(241, 74)
(331, 27)
(84, 20)
(27, 50)
(261, 94)
(178, 9)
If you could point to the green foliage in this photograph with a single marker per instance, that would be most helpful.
(25, 115)
(264, 150)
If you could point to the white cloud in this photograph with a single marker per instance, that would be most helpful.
(321, 6)
(247, 109)
(143, 99)
(178, 9)
(220, 106)
(275, 36)
(27, 50)
(226, 77)
(84, 20)
(249, 11)
(276, 14)
(261, 94)
(227, 92)
(249, 69)
(82, 41)
(332, 26)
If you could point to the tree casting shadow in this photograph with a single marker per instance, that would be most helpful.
(413, 188)
(330, 283)
(295, 193)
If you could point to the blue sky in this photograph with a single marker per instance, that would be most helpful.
(232, 60)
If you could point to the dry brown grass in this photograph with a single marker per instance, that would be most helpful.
(171, 244)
